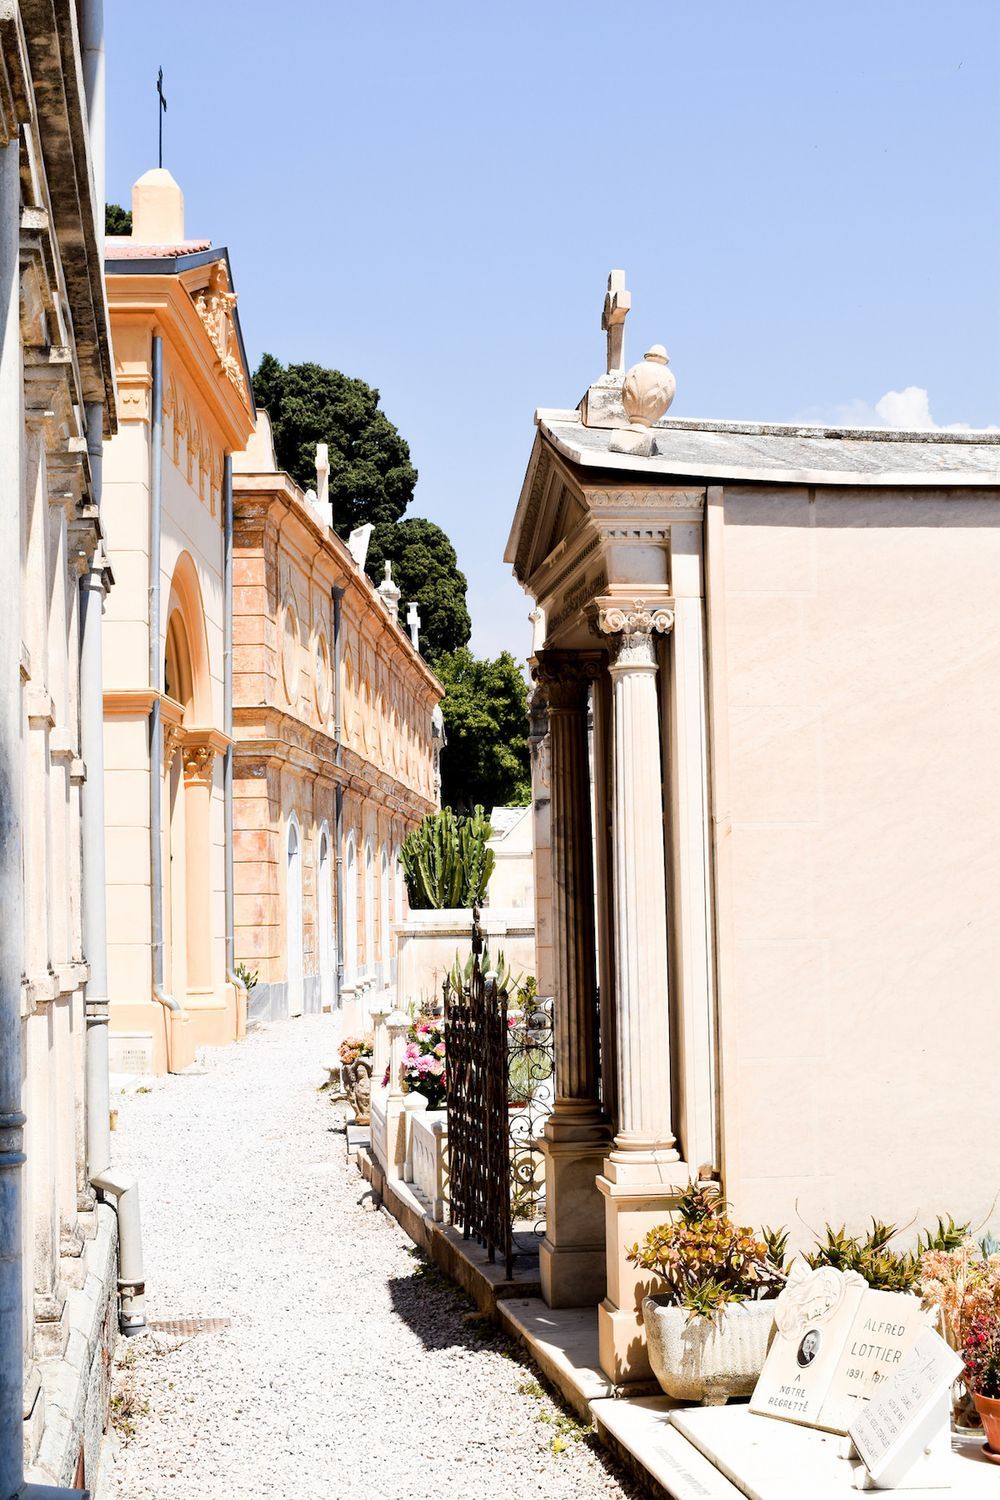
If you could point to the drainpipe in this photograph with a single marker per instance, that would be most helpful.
(170, 1005)
(92, 48)
(227, 697)
(337, 595)
(120, 1186)
(11, 928)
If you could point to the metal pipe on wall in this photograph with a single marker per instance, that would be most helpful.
(121, 1186)
(227, 697)
(337, 594)
(11, 928)
(170, 1005)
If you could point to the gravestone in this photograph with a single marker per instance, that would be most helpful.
(903, 1433)
(836, 1341)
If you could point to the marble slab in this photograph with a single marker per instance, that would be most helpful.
(643, 1428)
(768, 1460)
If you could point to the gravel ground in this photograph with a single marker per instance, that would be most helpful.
(349, 1368)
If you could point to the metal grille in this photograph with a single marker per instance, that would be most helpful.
(185, 1327)
(499, 1095)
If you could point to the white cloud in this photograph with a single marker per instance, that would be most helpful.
(908, 410)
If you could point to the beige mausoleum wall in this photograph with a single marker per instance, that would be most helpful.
(861, 909)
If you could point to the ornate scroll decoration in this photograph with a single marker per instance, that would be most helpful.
(635, 629)
(198, 762)
(565, 677)
(215, 305)
(173, 737)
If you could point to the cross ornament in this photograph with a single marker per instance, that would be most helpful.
(616, 306)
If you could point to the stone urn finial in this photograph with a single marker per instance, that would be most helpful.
(649, 388)
(389, 592)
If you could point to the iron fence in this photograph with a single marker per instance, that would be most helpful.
(500, 1090)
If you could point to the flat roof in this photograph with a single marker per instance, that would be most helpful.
(784, 452)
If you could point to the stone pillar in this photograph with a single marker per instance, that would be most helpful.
(199, 762)
(571, 1260)
(693, 941)
(643, 1173)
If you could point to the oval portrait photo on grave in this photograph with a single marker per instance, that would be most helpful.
(809, 1347)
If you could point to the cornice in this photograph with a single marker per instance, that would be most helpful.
(164, 304)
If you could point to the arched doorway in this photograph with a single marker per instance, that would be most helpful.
(324, 898)
(293, 917)
(384, 913)
(351, 909)
(189, 774)
(369, 907)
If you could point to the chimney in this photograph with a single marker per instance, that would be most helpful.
(157, 209)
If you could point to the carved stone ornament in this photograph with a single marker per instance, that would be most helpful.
(215, 305)
(634, 629)
(648, 388)
(173, 736)
(198, 761)
(566, 676)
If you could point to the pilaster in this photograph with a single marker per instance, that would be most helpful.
(571, 1260)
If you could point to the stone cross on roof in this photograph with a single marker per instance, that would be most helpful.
(616, 306)
(413, 620)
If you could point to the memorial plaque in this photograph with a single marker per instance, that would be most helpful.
(813, 1317)
(884, 1332)
(904, 1427)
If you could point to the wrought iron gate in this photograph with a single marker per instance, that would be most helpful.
(499, 1041)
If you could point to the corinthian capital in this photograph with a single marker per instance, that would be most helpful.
(634, 629)
(565, 677)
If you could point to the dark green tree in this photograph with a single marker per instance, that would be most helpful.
(425, 566)
(485, 711)
(371, 476)
(117, 220)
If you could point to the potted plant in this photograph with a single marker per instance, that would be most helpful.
(356, 1062)
(424, 1069)
(981, 1355)
(963, 1283)
(708, 1327)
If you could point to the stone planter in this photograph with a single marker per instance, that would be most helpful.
(697, 1359)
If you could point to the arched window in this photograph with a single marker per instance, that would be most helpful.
(293, 916)
(324, 899)
(351, 908)
(384, 912)
(369, 906)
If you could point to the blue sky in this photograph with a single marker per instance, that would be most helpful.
(805, 198)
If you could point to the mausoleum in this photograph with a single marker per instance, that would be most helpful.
(774, 854)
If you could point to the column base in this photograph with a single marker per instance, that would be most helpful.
(572, 1255)
(637, 1196)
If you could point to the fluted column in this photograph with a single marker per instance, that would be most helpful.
(640, 889)
(643, 1175)
(571, 1257)
(567, 678)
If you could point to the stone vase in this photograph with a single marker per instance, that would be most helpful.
(707, 1359)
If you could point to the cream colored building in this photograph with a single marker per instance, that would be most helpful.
(185, 407)
(337, 741)
(59, 1241)
(782, 871)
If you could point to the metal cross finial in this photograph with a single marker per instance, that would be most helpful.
(616, 306)
(162, 109)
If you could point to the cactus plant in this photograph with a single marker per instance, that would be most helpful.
(446, 861)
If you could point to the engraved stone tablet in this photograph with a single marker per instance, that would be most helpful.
(813, 1317)
(884, 1332)
(905, 1425)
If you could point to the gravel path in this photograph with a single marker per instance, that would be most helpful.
(349, 1368)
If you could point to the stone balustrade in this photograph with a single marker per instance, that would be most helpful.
(427, 1159)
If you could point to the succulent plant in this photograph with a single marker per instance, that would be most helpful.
(446, 861)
